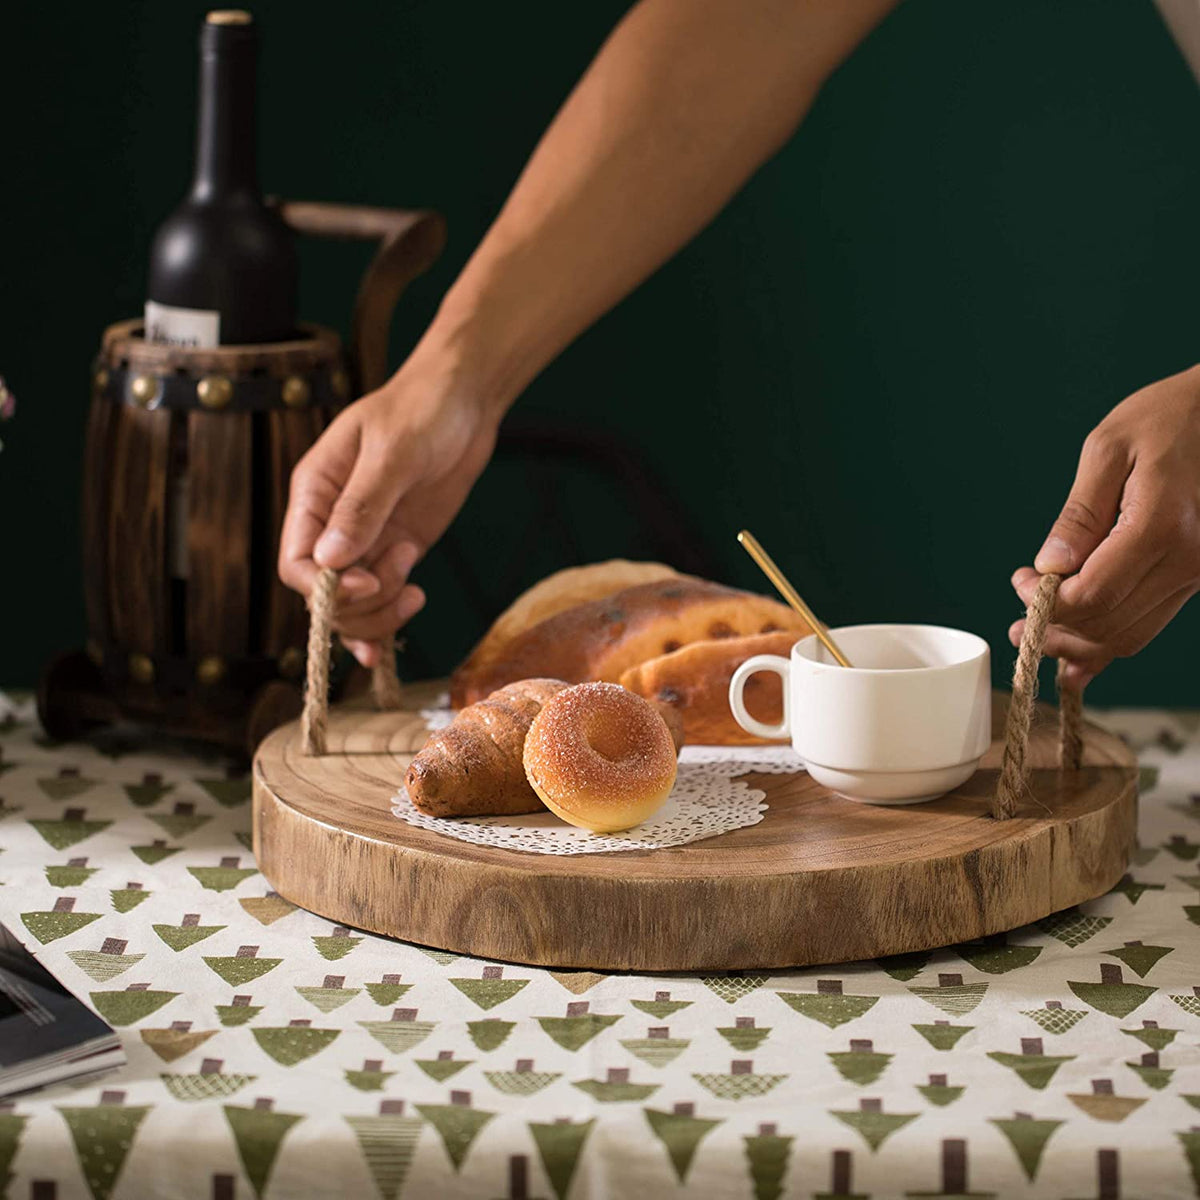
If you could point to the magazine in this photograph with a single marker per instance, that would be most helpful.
(46, 1034)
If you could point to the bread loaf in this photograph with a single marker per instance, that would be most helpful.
(554, 594)
(602, 639)
(473, 767)
(694, 680)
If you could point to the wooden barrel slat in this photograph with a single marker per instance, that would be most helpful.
(290, 433)
(819, 879)
(136, 530)
(219, 514)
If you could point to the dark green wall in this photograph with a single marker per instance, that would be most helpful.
(883, 357)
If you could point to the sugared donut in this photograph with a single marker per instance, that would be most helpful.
(600, 757)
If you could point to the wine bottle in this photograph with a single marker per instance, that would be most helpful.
(223, 264)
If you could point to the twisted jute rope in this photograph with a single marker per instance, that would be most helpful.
(385, 685)
(1014, 771)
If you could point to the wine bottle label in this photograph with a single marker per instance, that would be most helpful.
(198, 328)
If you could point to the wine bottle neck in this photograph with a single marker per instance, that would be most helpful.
(226, 141)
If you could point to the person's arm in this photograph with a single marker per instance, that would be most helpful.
(1129, 533)
(685, 100)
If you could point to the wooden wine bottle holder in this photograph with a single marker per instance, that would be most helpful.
(218, 654)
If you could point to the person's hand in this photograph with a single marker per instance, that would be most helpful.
(1129, 533)
(375, 491)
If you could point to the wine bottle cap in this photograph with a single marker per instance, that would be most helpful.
(229, 16)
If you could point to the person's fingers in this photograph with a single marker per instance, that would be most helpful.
(384, 620)
(1101, 623)
(312, 492)
(1091, 507)
(356, 585)
(1125, 557)
(1025, 581)
(1087, 656)
(1143, 631)
(378, 480)
(389, 572)
(1083, 659)
(1113, 602)
(1062, 643)
(367, 653)
(1079, 675)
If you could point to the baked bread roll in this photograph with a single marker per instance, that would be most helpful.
(674, 722)
(694, 680)
(554, 594)
(600, 757)
(474, 766)
(602, 639)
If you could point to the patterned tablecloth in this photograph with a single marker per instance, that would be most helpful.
(272, 1054)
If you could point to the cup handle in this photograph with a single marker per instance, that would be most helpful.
(737, 686)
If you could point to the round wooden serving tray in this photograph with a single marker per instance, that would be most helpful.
(819, 880)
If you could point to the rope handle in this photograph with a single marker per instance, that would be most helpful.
(385, 684)
(1014, 772)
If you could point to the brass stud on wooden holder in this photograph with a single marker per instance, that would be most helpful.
(141, 668)
(214, 391)
(210, 670)
(385, 685)
(340, 382)
(1014, 772)
(291, 663)
(144, 390)
(295, 392)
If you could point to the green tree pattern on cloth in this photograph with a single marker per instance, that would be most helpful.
(180, 937)
(768, 1155)
(490, 1034)
(458, 1126)
(67, 876)
(130, 1006)
(874, 1125)
(388, 1143)
(1029, 1137)
(336, 946)
(681, 1133)
(103, 1136)
(830, 1008)
(259, 1132)
(50, 926)
(126, 899)
(292, 1044)
(559, 1146)
(68, 831)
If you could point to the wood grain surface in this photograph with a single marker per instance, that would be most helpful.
(218, 534)
(820, 879)
(315, 347)
(136, 531)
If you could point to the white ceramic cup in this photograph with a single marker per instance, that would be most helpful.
(908, 722)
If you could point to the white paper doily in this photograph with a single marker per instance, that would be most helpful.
(703, 803)
(736, 760)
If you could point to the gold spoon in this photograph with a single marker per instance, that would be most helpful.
(789, 593)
